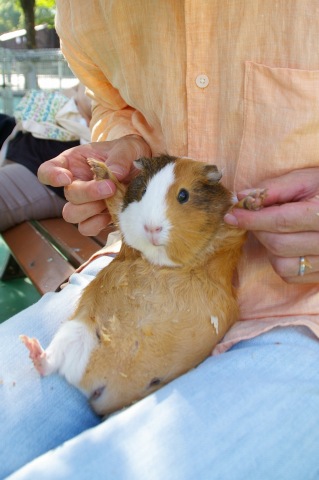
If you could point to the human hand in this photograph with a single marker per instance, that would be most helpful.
(85, 196)
(288, 226)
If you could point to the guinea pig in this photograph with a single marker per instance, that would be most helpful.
(159, 308)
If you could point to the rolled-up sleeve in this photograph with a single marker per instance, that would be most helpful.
(111, 116)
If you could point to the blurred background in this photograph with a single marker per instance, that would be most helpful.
(29, 51)
(29, 58)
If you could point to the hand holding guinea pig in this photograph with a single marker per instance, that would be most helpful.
(70, 170)
(159, 308)
(288, 226)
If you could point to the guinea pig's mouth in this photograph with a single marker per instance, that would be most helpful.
(155, 238)
(156, 242)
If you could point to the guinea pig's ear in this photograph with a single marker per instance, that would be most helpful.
(141, 163)
(212, 173)
(138, 164)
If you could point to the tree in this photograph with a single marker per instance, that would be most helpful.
(28, 7)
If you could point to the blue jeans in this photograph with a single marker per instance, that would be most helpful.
(251, 413)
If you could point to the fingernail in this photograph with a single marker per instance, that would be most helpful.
(104, 188)
(231, 219)
(63, 179)
(117, 170)
(245, 193)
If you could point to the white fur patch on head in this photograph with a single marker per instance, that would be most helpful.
(144, 223)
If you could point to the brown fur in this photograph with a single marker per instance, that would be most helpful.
(154, 323)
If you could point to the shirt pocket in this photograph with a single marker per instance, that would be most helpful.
(281, 123)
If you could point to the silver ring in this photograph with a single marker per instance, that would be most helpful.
(302, 266)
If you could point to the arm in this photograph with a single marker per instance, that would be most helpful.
(288, 226)
(111, 121)
(111, 116)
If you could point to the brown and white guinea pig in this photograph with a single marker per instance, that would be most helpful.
(165, 301)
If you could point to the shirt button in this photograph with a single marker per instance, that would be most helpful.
(202, 81)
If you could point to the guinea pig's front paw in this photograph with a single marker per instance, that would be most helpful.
(99, 169)
(254, 200)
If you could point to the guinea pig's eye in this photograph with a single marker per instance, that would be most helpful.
(143, 188)
(183, 196)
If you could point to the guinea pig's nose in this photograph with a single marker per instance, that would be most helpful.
(151, 229)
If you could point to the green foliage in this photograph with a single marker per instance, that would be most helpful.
(12, 18)
(49, 4)
(44, 12)
(44, 15)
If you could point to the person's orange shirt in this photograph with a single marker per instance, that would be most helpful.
(232, 83)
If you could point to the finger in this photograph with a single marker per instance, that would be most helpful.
(119, 171)
(124, 152)
(88, 191)
(289, 267)
(54, 174)
(290, 245)
(311, 278)
(123, 174)
(70, 164)
(80, 213)
(290, 217)
(121, 165)
(94, 225)
(291, 187)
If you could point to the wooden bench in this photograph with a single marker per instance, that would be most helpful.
(48, 251)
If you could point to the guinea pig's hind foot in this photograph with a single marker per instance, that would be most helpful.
(37, 355)
(254, 200)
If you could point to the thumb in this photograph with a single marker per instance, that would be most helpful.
(124, 171)
(120, 171)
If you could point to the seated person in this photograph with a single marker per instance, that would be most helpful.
(235, 83)
(22, 196)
